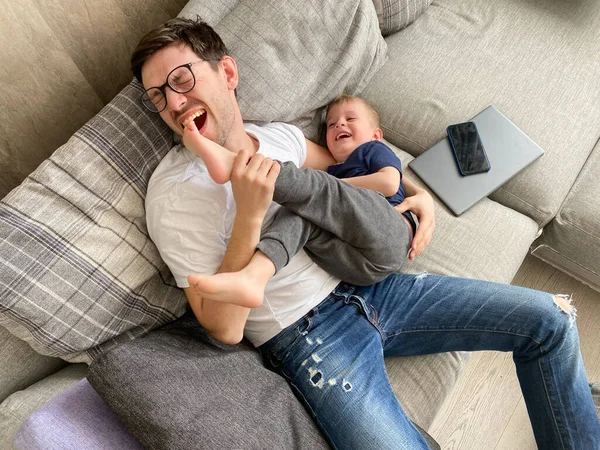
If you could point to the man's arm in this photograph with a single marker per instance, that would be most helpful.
(252, 184)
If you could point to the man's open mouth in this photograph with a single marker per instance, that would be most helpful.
(199, 119)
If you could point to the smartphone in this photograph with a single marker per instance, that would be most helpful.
(468, 148)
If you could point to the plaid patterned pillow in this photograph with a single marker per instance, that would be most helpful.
(394, 15)
(78, 272)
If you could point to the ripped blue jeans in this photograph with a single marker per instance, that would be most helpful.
(333, 356)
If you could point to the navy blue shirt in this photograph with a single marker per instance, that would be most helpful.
(369, 158)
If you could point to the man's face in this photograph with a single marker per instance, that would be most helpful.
(209, 103)
(349, 124)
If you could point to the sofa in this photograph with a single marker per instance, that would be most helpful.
(66, 65)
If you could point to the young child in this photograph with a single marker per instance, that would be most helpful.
(354, 234)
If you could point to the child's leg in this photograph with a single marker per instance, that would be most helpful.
(244, 288)
(288, 233)
(346, 216)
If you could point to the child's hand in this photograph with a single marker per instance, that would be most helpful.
(421, 205)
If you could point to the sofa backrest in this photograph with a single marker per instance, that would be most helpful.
(61, 63)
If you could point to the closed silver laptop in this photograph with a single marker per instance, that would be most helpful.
(508, 149)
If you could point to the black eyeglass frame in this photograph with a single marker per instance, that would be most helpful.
(163, 88)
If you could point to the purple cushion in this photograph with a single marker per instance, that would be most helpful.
(75, 419)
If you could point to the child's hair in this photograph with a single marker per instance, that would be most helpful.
(344, 98)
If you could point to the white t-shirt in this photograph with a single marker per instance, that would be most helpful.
(190, 219)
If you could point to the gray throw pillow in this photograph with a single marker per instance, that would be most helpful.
(178, 388)
(295, 58)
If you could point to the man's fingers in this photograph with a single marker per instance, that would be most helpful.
(255, 162)
(422, 238)
(273, 172)
(240, 162)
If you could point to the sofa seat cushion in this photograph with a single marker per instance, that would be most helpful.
(489, 241)
(571, 241)
(535, 63)
(18, 406)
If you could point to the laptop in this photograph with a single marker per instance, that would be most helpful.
(509, 151)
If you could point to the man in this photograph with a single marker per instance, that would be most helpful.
(329, 339)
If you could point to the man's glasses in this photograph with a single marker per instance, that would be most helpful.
(181, 80)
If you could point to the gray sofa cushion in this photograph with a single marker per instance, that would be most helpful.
(177, 388)
(538, 65)
(20, 366)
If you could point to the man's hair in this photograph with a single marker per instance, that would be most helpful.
(196, 34)
(345, 98)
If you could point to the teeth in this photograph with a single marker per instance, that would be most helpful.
(192, 117)
(342, 135)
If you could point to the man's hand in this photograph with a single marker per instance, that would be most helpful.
(253, 182)
(420, 203)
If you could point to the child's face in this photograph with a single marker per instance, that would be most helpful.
(349, 125)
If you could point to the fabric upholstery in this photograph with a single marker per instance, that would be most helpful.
(473, 245)
(211, 12)
(199, 400)
(394, 15)
(292, 61)
(62, 62)
(20, 366)
(77, 268)
(76, 419)
(535, 63)
(572, 240)
(178, 379)
(15, 409)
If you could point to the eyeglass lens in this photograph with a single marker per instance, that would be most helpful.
(181, 80)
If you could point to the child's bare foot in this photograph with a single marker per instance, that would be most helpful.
(218, 160)
(229, 287)
(244, 288)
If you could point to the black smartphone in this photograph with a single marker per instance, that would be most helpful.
(468, 148)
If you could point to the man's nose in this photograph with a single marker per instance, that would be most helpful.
(175, 100)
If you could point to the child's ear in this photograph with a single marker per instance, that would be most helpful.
(378, 134)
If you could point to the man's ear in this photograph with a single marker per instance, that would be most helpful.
(378, 134)
(230, 71)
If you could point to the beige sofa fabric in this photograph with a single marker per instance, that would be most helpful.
(21, 366)
(61, 62)
(476, 244)
(15, 409)
(537, 63)
(572, 240)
